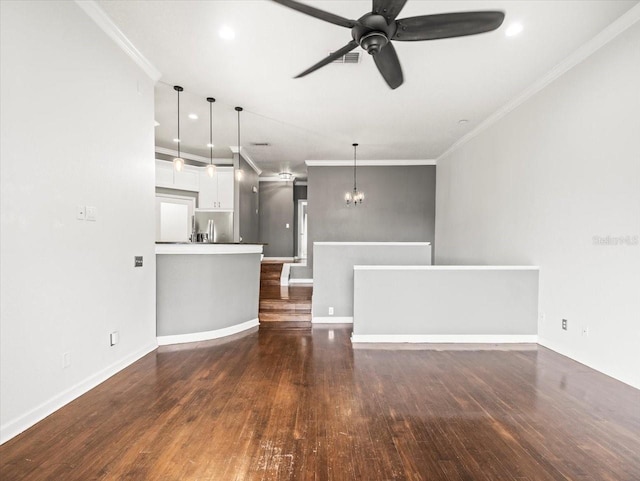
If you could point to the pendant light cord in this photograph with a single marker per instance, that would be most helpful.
(239, 109)
(211, 132)
(179, 139)
(355, 146)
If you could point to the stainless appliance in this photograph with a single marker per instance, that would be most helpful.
(214, 226)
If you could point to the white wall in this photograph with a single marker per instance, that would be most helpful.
(77, 129)
(536, 188)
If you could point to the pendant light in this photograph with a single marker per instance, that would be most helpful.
(211, 169)
(356, 197)
(178, 162)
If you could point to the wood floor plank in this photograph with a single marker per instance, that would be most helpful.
(304, 405)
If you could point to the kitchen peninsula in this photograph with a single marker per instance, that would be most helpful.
(206, 291)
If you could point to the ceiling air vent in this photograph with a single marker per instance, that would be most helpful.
(260, 144)
(349, 57)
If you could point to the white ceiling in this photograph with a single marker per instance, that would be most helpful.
(319, 116)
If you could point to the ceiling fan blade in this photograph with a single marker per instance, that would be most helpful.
(317, 13)
(447, 25)
(389, 9)
(389, 65)
(330, 58)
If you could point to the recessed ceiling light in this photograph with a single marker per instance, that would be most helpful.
(226, 33)
(210, 146)
(176, 140)
(193, 116)
(513, 29)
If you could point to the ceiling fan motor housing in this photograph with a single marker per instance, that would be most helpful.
(373, 32)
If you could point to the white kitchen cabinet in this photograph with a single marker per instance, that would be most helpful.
(216, 193)
(188, 179)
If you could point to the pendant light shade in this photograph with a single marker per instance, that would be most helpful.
(211, 169)
(178, 162)
(354, 197)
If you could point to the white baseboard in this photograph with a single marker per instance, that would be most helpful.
(207, 335)
(300, 281)
(284, 275)
(332, 320)
(283, 259)
(447, 338)
(24, 422)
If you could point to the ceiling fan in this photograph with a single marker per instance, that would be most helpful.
(374, 31)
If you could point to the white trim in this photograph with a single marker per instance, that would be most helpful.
(446, 268)
(284, 259)
(275, 178)
(245, 155)
(207, 335)
(446, 338)
(300, 281)
(372, 243)
(593, 45)
(93, 10)
(284, 275)
(24, 422)
(198, 158)
(203, 248)
(332, 320)
(369, 163)
(302, 182)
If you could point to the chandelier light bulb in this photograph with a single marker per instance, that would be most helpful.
(211, 170)
(178, 164)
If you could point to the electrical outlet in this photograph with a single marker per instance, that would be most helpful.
(331, 311)
(137, 262)
(66, 360)
(114, 338)
(287, 226)
(564, 324)
(80, 212)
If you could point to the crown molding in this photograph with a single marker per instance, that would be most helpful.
(604, 37)
(247, 157)
(368, 163)
(188, 156)
(93, 10)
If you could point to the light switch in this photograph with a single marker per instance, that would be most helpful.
(92, 213)
(80, 212)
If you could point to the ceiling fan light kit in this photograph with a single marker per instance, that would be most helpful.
(374, 32)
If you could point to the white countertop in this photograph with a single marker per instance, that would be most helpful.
(201, 248)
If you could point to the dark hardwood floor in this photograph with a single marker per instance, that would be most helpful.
(282, 307)
(304, 405)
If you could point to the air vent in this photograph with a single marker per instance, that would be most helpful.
(260, 144)
(349, 57)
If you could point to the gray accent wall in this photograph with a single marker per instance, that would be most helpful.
(299, 193)
(441, 302)
(248, 203)
(399, 206)
(199, 293)
(333, 270)
(276, 199)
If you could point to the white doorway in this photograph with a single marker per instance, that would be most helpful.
(302, 229)
(174, 214)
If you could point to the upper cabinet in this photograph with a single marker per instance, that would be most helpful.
(216, 193)
(166, 176)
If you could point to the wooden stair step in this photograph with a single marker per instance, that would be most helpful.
(282, 317)
(285, 304)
